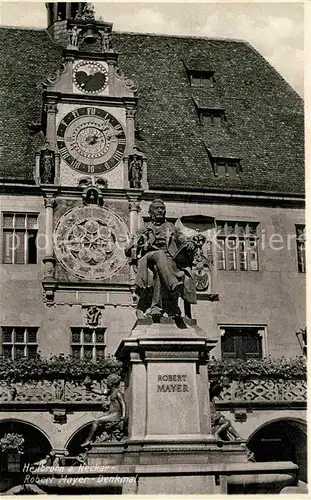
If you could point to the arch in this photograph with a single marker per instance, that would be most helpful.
(25, 422)
(281, 439)
(14, 466)
(22, 489)
(299, 421)
(73, 444)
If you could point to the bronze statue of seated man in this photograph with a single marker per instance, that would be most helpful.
(162, 256)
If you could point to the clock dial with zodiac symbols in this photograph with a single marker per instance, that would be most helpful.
(91, 140)
(90, 76)
(89, 242)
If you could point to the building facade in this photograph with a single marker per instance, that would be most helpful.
(96, 125)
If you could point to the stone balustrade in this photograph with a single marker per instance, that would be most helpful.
(45, 391)
(255, 390)
(264, 390)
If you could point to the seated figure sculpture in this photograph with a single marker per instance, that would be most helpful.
(222, 428)
(162, 256)
(112, 422)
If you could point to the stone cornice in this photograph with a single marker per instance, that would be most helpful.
(220, 197)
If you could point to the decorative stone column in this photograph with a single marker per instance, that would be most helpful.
(134, 207)
(51, 110)
(49, 282)
(130, 128)
(112, 62)
(68, 10)
(55, 11)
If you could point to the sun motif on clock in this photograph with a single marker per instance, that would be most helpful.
(91, 140)
(90, 76)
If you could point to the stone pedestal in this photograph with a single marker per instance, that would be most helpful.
(170, 448)
(169, 417)
(167, 387)
(170, 440)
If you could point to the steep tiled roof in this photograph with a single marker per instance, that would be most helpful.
(264, 114)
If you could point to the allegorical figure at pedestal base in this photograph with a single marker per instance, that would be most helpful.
(162, 257)
(222, 428)
(112, 422)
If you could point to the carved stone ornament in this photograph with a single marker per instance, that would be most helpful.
(92, 194)
(135, 168)
(130, 112)
(49, 292)
(55, 77)
(89, 242)
(59, 416)
(127, 82)
(47, 165)
(74, 37)
(106, 42)
(49, 267)
(93, 316)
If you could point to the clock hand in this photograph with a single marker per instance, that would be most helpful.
(92, 139)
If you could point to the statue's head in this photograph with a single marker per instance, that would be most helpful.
(113, 380)
(157, 211)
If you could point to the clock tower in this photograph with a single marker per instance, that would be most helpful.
(89, 104)
(89, 170)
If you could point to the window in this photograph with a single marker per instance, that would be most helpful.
(301, 248)
(19, 342)
(88, 343)
(237, 248)
(226, 167)
(19, 238)
(202, 79)
(214, 117)
(241, 342)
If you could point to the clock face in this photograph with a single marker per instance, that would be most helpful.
(91, 140)
(90, 77)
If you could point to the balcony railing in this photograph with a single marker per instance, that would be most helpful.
(264, 390)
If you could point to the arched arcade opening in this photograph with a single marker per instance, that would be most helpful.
(13, 465)
(282, 440)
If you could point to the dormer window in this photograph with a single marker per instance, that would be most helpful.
(226, 167)
(214, 117)
(202, 79)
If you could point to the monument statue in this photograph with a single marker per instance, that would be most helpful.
(47, 165)
(162, 256)
(112, 422)
(135, 171)
(222, 428)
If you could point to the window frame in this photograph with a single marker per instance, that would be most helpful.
(261, 331)
(13, 343)
(197, 78)
(246, 237)
(82, 344)
(228, 163)
(29, 233)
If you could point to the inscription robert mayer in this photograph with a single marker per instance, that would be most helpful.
(172, 387)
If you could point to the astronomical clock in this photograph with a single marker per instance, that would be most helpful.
(89, 111)
(91, 140)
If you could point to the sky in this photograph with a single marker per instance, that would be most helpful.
(274, 29)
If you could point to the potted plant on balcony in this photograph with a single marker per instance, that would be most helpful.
(12, 444)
